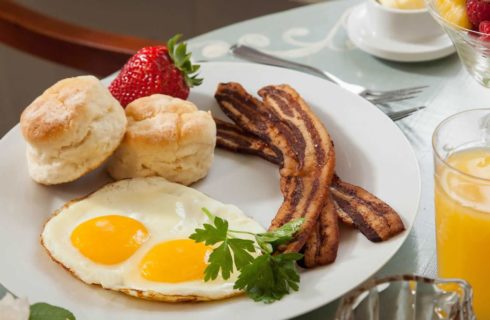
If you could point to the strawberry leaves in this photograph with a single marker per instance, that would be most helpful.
(182, 60)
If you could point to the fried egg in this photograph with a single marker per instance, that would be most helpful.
(133, 236)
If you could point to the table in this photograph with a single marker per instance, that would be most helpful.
(316, 35)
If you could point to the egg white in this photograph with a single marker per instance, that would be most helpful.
(168, 210)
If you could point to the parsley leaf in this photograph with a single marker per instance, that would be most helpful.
(269, 278)
(211, 234)
(241, 249)
(220, 260)
(44, 311)
(265, 277)
(209, 214)
(282, 235)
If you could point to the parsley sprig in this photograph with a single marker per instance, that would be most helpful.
(263, 275)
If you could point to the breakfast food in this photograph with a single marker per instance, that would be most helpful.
(231, 137)
(351, 204)
(354, 206)
(322, 245)
(309, 158)
(454, 11)
(469, 14)
(156, 69)
(403, 4)
(147, 236)
(133, 236)
(70, 129)
(373, 217)
(478, 11)
(166, 137)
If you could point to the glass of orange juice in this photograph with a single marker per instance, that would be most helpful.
(462, 201)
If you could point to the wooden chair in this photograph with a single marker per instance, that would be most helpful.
(95, 52)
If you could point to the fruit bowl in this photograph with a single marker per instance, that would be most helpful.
(473, 47)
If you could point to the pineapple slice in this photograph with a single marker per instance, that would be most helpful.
(454, 11)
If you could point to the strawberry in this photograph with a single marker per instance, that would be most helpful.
(484, 27)
(156, 69)
(478, 11)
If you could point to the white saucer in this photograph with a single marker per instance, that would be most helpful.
(367, 40)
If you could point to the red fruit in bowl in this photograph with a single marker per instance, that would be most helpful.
(478, 11)
(484, 27)
(156, 69)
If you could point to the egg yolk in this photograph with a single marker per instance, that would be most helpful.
(175, 261)
(109, 239)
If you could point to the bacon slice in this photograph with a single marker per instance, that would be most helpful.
(321, 247)
(233, 138)
(308, 155)
(373, 217)
(323, 243)
(343, 216)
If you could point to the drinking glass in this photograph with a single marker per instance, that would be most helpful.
(461, 145)
(408, 297)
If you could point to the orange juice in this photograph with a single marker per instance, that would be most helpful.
(463, 222)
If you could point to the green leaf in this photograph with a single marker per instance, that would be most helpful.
(241, 249)
(172, 41)
(265, 278)
(211, 234)
(220, 260)
(208, 214)
(269, 278)
(256, 278)
(282, 235)
(182, 60)
(44, 311)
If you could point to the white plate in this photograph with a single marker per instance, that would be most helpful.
(367, 40)
(371, 152)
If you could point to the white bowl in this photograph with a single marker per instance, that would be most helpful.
(403, 25)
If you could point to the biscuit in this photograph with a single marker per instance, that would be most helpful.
(166, 137)
(70, 129)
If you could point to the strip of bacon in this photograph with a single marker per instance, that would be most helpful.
(373, 217)
(230, 137)
(311, 143)
(343, 216)
(323, 243)
(308, 155)
(233, 138)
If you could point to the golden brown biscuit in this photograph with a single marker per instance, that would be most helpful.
(166, 137)
(71, 129)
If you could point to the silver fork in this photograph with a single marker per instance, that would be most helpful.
(374, 96)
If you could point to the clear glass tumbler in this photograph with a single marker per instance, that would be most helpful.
(462, 201)
(407, 297)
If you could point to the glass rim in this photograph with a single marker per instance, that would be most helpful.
(350, 297)
(436, 14)
(439, 156)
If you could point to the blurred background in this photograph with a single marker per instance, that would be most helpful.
(23, 77)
